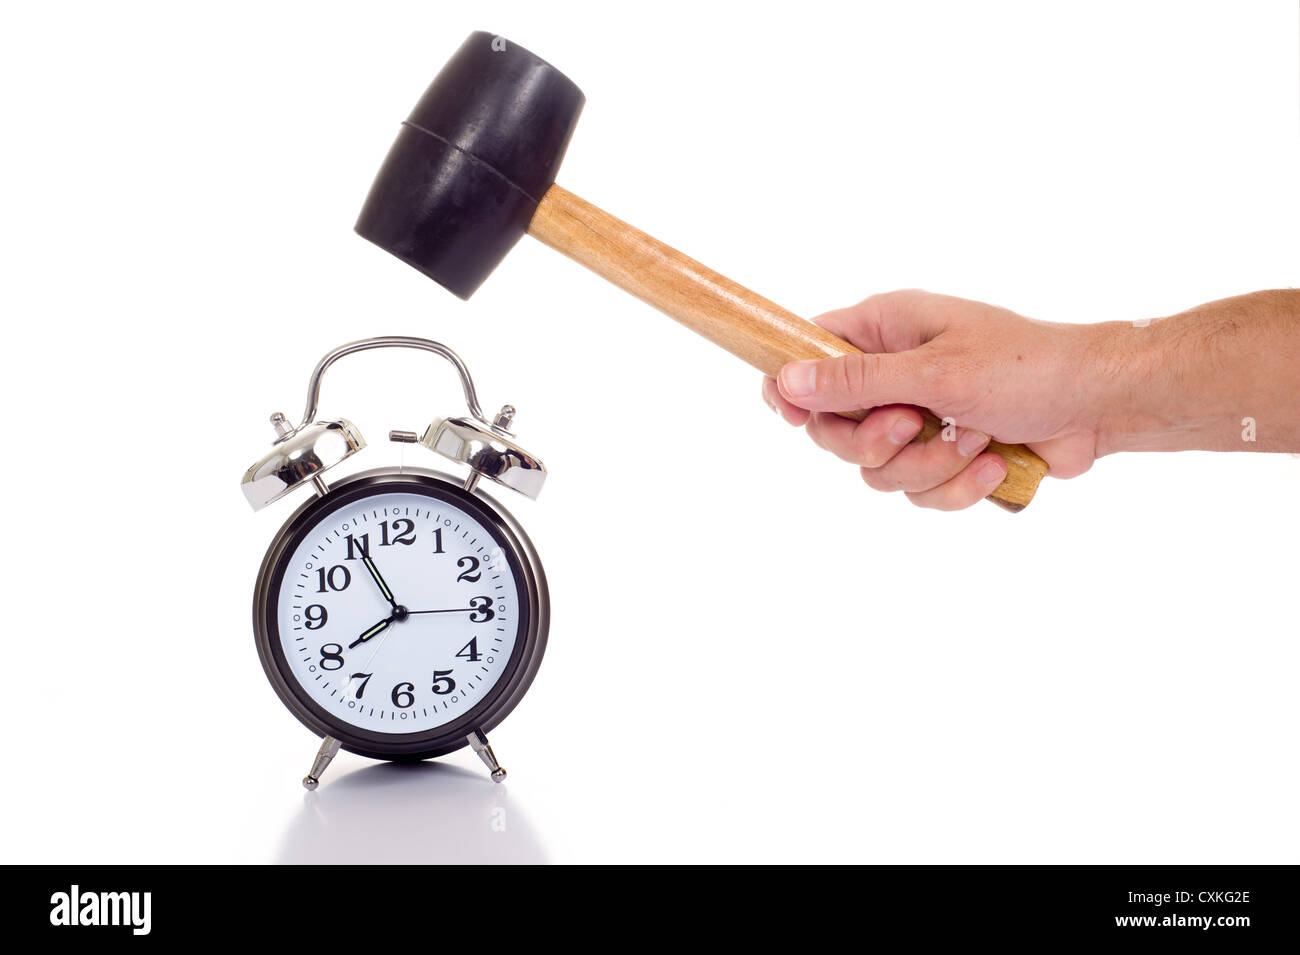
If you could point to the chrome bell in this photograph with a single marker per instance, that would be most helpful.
(488, 450)
(303, 453)
(299, 455)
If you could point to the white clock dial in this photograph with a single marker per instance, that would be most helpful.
(398, 612)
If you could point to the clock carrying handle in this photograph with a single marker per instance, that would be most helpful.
(389, 341)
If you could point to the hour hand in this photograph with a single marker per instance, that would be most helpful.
(374, 631)
(379, 579)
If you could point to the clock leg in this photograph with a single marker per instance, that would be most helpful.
(479, 743)
(329, 748)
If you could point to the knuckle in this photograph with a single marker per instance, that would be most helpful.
(837, 382)
(872, 448)
(846, 378)
(819, 430)
(902, 303)
(877, 481)
(927, 499)
(916, 483)
(856, 373)
(919, 500)
(902, 296)
(935, 500)
(954, 495)
(926, 469)
(884, 305)
(871, 455)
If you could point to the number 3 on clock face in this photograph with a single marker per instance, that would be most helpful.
(399, 613)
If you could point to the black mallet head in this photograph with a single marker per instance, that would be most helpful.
(471, 163)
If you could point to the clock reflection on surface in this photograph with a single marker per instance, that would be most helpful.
(410, 813)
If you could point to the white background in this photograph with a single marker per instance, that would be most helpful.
(753, 657)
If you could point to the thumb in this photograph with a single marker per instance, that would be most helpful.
(861, 380)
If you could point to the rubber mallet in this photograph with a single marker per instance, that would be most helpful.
(473, 169)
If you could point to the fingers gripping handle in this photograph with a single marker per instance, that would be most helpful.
(1024, 468)
(730, 315)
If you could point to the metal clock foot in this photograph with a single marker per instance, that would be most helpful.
(329, 748)
(479, 743)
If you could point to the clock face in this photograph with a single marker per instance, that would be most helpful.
(397, 611)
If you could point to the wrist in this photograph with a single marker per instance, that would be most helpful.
(1133, 374)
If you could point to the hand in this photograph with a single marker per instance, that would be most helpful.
(1072, 393)
(383, 587)
(987, 369)
(477, 605)
(374, 631)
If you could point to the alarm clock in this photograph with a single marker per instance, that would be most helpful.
(400, 613)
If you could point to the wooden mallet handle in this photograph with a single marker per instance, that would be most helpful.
(727, 314)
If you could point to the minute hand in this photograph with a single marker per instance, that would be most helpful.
(383, 586)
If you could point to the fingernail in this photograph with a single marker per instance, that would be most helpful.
(992, 472)
(903, 431)
(971, 441)
(799, 378)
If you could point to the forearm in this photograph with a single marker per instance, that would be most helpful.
(1192, 381)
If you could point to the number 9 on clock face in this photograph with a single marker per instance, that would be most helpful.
(398, 613)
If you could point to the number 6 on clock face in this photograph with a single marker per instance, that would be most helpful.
(400, 613)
